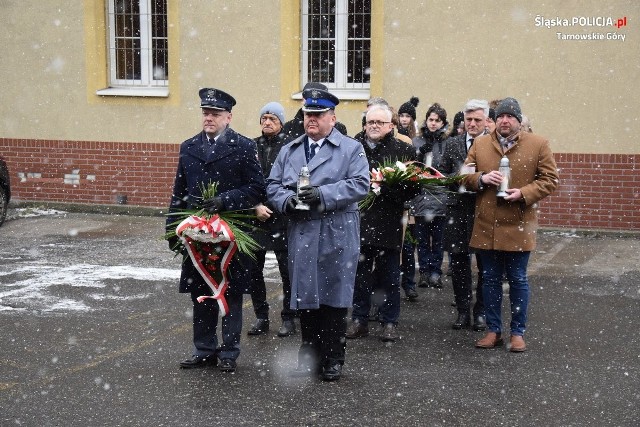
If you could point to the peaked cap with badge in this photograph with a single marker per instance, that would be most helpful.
(215, 99)
(318, 100)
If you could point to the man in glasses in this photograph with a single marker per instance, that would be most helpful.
(381, 231)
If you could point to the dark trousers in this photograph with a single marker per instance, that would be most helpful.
(429, 237)
(462, 284)
(386, 275)
(323, 333)
(205, 322)
(259, 288)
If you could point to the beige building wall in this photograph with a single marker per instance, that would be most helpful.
(580, 94)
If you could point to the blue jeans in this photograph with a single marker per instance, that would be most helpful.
(382, 284)
(494, 265)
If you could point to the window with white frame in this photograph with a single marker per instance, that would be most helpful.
(138, 48)
(336, 45)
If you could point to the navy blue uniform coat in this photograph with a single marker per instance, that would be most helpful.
(232, 162)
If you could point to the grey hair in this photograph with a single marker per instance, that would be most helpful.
(477, 104)
(381, 107)
(376, 101)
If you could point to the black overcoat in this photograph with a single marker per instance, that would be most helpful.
(460, 205)
(381, 224)
(272, 233)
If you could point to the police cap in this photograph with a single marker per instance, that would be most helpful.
(318, 100)
(216, 99)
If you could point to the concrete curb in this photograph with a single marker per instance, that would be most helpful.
(156, 211)
(87, 208)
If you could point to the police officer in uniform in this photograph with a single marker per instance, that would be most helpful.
(216, 154)
(324, 242)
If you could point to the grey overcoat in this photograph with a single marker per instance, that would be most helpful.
(324, 243)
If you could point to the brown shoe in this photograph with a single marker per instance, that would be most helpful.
(516, 344)
(490, 340)
(357, 330)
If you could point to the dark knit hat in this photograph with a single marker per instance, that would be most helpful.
(509, 106)
(492, 114)
(409, 107)
(457, 119)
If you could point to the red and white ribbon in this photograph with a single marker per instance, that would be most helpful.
(216, 233)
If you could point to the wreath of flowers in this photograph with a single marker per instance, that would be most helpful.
(211, 241)
(409, 173)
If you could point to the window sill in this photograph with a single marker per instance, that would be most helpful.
(153, 92)
(344, 94)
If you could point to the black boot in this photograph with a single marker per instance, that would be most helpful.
(332, 372)
(260, 327)
(463, 321)
(479, 323)
(288, 328)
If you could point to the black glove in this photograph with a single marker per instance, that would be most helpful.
(290, 205)
(213, 205)
(395, 194)
(427, 147)
(173, 242)
(309, 194)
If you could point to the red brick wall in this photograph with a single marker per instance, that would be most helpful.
(143, 172)
(597, 191)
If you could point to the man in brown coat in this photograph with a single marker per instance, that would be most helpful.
(504, 230)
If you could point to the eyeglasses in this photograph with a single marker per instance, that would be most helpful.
(378, 123)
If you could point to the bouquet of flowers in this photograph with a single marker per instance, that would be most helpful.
(406, 173)
(211, 241)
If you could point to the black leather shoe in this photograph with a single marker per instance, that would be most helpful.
(411, 294)
(463, 321)
(389, 333)
(479, 323)
(288, 328)
(260, 327)
(423, 281)
(435, 281)
(332, 372)
(227, 365)
(199, 362)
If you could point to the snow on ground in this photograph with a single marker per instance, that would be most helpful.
(41, 288)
